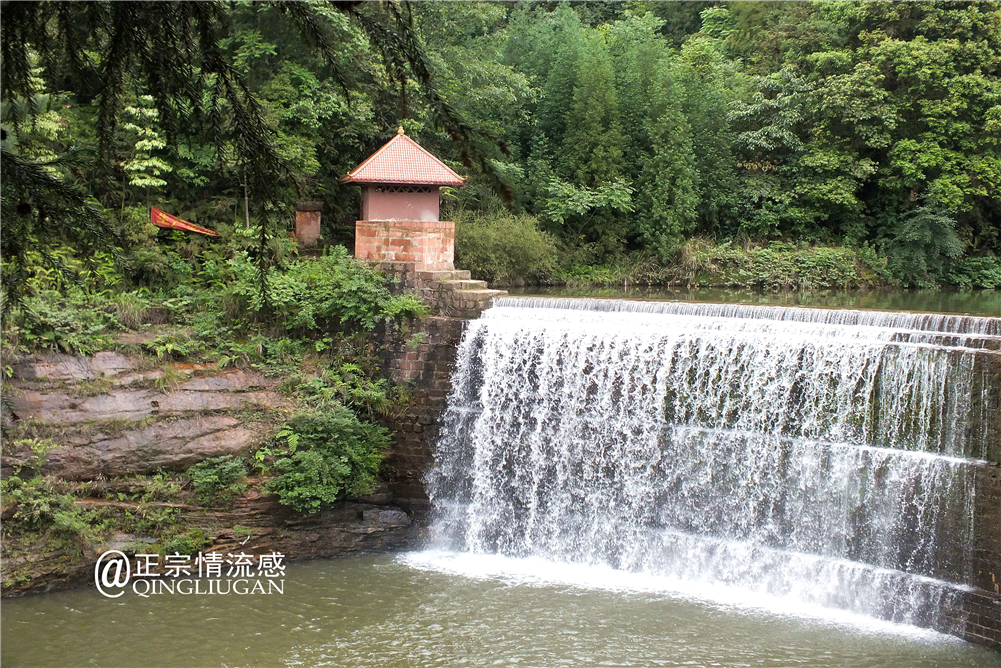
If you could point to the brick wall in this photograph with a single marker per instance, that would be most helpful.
(982, 607)
(430, 245)
(982, 611)
(307, 223)
(986, 406)
(422, 358)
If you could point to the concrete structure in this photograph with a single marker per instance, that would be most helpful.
(307, 223)
(399, 207)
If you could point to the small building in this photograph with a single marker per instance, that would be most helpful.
(399, 206)
(307, 222)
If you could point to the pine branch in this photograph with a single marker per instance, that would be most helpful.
(40, 210)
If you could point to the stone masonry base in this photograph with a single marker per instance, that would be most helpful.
(427, 245)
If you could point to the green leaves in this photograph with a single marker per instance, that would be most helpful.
(44, 503)
(329, 292)
(329, 454)
(218, 476)
(628, 125)
(566, 201)
(505, 249)
(143, 167)
(924, 240)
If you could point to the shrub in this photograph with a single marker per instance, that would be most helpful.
(977, 272)
(326, 456)
(186, 543)
(173, 345)
(131, 308)
(504, 249)
(777, 265)
(923, 241)
(346, 384)
(72, 322)
(324, 293)
(216, 476)
(44, 504)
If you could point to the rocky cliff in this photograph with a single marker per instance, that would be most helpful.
(118, 426)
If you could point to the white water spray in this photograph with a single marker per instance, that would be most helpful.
(819, 456)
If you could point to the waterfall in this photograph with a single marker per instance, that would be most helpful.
(822, 456)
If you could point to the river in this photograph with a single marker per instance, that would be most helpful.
(431, 609)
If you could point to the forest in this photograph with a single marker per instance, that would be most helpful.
(854, 142)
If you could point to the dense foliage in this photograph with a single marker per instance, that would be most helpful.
(834, 123)
(216, 476)
(323, 456)
(625, 128)
(825, 144)
(110, 107)
(504, 248)
(205, 308)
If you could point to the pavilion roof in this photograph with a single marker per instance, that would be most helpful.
(402, 160)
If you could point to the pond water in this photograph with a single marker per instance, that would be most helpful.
(973, 302)
(479, 609)
(446, 609)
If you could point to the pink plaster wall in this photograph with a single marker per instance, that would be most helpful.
(399, 206)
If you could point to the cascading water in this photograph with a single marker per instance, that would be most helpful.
(819, 456)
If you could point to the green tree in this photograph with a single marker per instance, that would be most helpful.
(710, 84)
(592, 149)
(923, 242)
(143, 167)
(879, 105)
(177, 51)
(465, 43)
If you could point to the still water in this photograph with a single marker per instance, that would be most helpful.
(442, 609)
(972, 302)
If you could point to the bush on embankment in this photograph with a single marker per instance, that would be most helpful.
(202, 304)
(509, 250)
(776, 265)
(504, 249)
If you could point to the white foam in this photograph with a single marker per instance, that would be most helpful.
(538, 572)
(802, 461)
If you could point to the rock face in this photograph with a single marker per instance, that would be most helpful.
(71, 367)
(345, 528)
(228, 390)
(265, 527)
(175, 446)
(109, 419)
(174, 428)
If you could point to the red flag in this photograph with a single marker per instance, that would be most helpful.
(164, 219)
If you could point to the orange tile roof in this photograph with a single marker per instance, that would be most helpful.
(402, 160)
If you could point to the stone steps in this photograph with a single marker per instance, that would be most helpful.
(465, 285)
(480, 294)
(450, 292)
(444, 275)
(470, 303)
